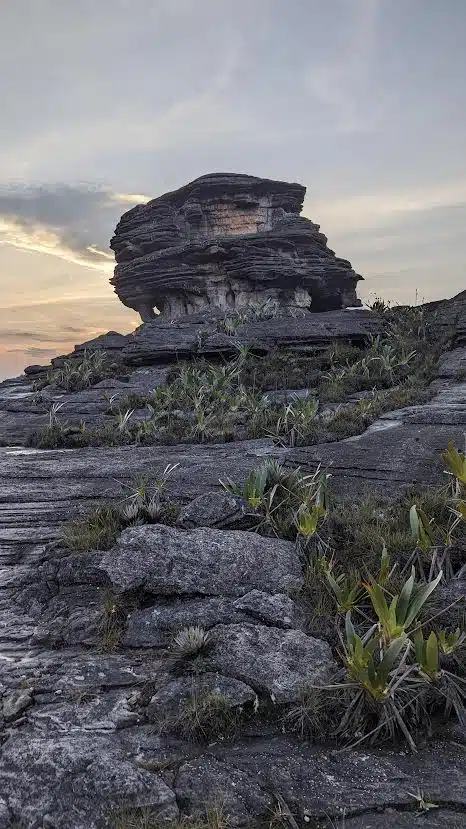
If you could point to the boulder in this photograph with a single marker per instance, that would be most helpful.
(217, 509)
(278, 663)
(222, 241)
(167, 561)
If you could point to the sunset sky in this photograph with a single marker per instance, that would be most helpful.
(103, 103)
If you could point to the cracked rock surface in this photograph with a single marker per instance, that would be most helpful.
(86, 732)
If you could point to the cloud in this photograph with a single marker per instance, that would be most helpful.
(131, 198)
(74, 223)
(40, 336)
(33, 350)
(371, 210)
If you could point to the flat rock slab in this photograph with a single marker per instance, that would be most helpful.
(275, 662)
(76, 781)
(316, 783)
(163, 340)
(166, 561)
(23, 411)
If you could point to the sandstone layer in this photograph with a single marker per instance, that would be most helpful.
(222, 241)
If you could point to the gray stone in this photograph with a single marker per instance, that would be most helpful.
(272, 661)
(157, 625)
(86, 711)
(221, 241)
(317, 784)
(278, 610)
(5, 815)
(208, 780)
(76, 781)
(162, 340)
(169, 701)
(167, 561)
(217, 509)
(15, 703)
(451, 599)
(435, 818)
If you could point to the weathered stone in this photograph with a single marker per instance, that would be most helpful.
(278, 610)
(76, 781)
(449, 317)
(15, 703)
(5, 815)
(434, 818)
(35, 369)
(318, 784)
(217, 509)
(209, 780)
(170, 700)
(221, 241)
(168, 562)
(86, 711)
(451, 599)
(156, 626)
(274, 662)
(197, 334)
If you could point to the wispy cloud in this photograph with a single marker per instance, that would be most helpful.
(371, 210)
(33, 351)
(72, 223)
(131, 198)
(181, 123)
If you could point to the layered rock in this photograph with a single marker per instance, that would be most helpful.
(222, 241)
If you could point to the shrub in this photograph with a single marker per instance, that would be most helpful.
(206, 717)
(79, 374)
(190, 641)
(280, 496)
(96, 531)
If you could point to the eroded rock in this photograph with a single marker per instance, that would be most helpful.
(279, 663)
(170, 562)
(223, 240)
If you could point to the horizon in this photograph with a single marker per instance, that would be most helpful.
(361, 101)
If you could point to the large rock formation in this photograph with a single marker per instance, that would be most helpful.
(223, 240)
(101, 711)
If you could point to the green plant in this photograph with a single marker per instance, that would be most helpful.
(78, 374)
(444, 685)
(297, 423)
(451, 641)
(397, 618)
(456, 463)
(96, 531)
(347, 590)
(308, 519)
(421, 529)
(427, 654)
(424, 803)
(279, 495)
(206, 717)
(147, 501)
(384, 695)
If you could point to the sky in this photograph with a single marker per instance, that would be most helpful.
(107, 103)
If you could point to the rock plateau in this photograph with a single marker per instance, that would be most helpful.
(95, 702)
